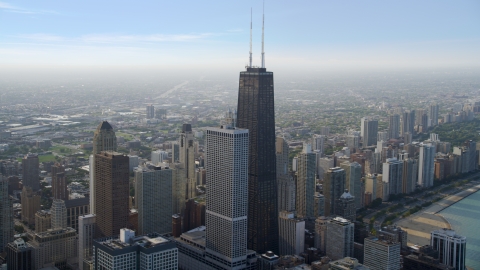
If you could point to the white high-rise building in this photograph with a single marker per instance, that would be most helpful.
(86, 234)
(291, 234)
(450, 246)
(393, 175)
(226, 166)
(158, 156)
(426, 165)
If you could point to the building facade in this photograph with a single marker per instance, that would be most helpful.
(306, 183)
(380, 254)
(333, 188)
(256, 112)
(6, 215)
(450, 246)
(340, 236)
(292, 234)
(30, 165)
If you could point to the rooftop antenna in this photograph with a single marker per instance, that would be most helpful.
(263, 32)
(251, 15)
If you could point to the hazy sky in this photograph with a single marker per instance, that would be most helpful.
(205, 34)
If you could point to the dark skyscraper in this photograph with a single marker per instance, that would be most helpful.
(256, 112)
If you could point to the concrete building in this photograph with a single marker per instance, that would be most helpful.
(381, 254)
(285, 182)
(333, 188)
(147, 252)
(321, 233)
(187, 157)
(104, 139)
(43, 221)
(433, 114)
(409, 175)
(319, 205)
(371, 185)
(30, 166)
(86, 234)
(353, 176)
(133, 162)
(292, 234)
(267, 261)
(6, 215)
(424, 258)
(393, 175)
(75, 209)
(318, 142)
(19, 255)
(55, 247)
(345, 206)
(369, 131)
(179, 190)
(111, 192)
(393, 126)
(158, 157)
(227, 196)
(59, 215)
(153, 199)
(59, 184)
(450, 246)
(426, 165)
(347, 263)
(353, 142)
(30, 204)
(340, 236)
(305, 183)
(408, 123)
(150, 111)
(394, 234)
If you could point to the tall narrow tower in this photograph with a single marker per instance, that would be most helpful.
(256, 112)
(227, 197)
(187, 157)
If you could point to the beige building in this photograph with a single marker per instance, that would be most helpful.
(30, 204)
(43, 221)
(55, 247)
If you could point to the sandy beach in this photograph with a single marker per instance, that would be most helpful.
(420, 224)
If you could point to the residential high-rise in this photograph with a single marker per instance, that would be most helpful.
(292, 234)
(451, 247)
(371, 185)
(318, 142)
(408, 122)
(433, 114)
(325, 130)
(426, 165)
(369, 130)
(353, 142)
(393, 175)
(153, 199)
(333, 188)
(393, 126)
(111, 192)
(306, 183)
(150, 111)
(340, 233)
(159, 156)
(321, 233)
(345, 206)
(76, 208)
(86, 234)
(286, 183)
(187, 157)
(410, 173)
(104, 139)
(226, 196)
(59, 183)
(19, 255)
(256, 112)
(323, 164)
(30, 167)
(353, 176)
(6, 215)
(319, 205)
(380, 254)
(128, 251)
(59, 215)
(30, 204)
(419, 113)
(179, 190)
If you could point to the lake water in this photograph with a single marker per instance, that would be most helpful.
(464, 216)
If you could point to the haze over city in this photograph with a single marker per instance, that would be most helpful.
(139, 135)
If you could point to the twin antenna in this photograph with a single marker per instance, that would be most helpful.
(263, 31)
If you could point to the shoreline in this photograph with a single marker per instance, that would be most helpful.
(420, 224)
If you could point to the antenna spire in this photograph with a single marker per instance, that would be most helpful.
(263, 33)
(251, 15)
